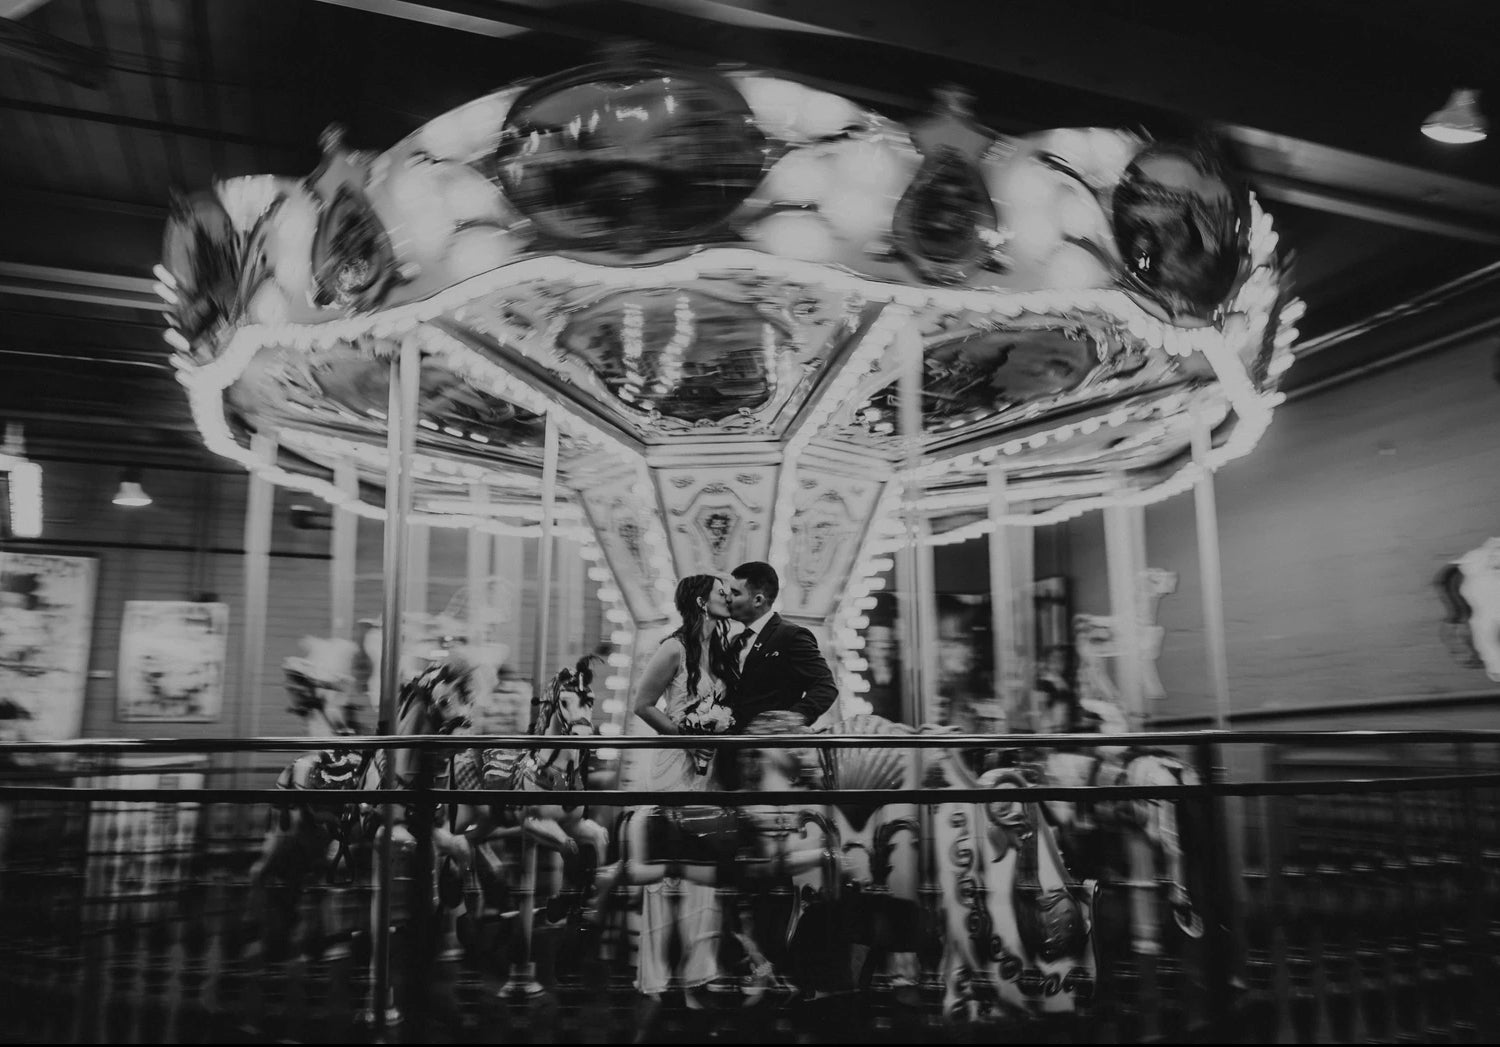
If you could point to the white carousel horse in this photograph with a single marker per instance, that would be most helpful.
(1095, 636)
(566, 710)
(1479, 586)
(1153, 824)
(1019, 929)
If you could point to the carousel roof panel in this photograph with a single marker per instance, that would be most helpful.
(676, 259)
(727, 353)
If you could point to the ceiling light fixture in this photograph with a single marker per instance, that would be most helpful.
(131, 494)
(1459, 122)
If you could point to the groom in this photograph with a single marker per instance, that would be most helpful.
(779, 664)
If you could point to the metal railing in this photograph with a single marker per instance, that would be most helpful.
(1339, 886)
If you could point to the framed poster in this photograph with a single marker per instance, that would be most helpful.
(46, 624)
(172, 660)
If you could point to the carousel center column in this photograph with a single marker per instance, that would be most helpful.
(401, 444)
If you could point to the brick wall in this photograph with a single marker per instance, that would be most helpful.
(1331, 533)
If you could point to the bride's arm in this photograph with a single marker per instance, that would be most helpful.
(659, 672)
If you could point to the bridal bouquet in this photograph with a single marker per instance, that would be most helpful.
(707, 715)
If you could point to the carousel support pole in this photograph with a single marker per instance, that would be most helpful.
(544, 569)
(477, 570)
(631, 759)
(568, 623)
(401, 445)
(915, 600)
(345, 548)
(508, 561)
(1152, 694)
(418, 555)
(1002, 623)
(912, 601)
(1125, 570)
(1224, 920)
(1011, 569)
(522, 980)
(1210, 570)
(259, 506)
(1022, 548)
(927, 632)
(1122, 525)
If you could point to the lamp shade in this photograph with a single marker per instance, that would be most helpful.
(131, 494)
(1460, 121)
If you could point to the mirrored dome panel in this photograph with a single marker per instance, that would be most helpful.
(685, 354)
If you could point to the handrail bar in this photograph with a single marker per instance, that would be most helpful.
(928, 740)
(804, 797)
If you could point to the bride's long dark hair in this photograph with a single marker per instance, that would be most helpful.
(690, 590)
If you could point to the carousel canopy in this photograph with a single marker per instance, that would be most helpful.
(763, 318)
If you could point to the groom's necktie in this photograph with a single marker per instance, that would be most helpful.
(736, 649)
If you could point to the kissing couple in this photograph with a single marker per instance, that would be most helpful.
(731, 659)
(705, 679)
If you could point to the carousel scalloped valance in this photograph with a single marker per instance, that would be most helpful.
(713, 282)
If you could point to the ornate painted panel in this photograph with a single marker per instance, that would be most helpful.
(628, 529)
(717, 517)
(830, 514)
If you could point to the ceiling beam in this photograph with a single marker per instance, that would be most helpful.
(1324, 178)
(32, 195)
(447, 16)
(84, 66)
(75, 285)
(1384, 211)
(161, 127)
(1285, 110)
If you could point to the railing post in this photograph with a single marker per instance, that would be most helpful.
(421, 898)
(1221, 952)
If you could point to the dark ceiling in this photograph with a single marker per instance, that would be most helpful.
(105, 107)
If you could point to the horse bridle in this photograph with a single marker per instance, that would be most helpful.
(544, 773)
(425, 688)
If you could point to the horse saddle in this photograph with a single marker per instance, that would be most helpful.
(500, 768)
(325, 769)
(321, 770)
(1050, 914)
(698, 835)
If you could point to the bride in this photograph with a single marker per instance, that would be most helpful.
(681, 691)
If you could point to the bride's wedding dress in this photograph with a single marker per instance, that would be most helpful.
(677, 907)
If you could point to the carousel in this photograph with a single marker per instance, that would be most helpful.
(690, 318)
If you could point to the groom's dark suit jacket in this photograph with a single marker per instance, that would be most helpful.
(784, 670)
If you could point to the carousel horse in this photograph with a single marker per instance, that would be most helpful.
(1151, 827)
(565, 710)
(1096, 639)
(308, 838)
(1470, 586)
(1015, 929)
(1150, 830)
(1019, 940)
